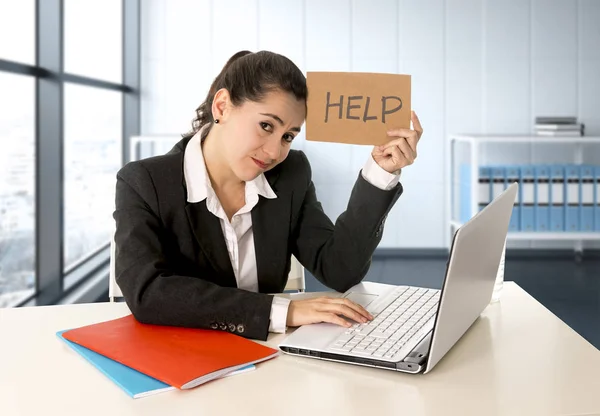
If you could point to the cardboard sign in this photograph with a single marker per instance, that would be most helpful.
(356, 107)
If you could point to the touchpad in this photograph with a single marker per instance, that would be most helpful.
(363, 299)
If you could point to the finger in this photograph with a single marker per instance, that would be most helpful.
(412, 139)
(355, 306)
(333, 318)
(358, 308)
(322, 299)
(397, 152)
(416, 123)
(409, 153)
(392, 143)
(412, 142)
(398, 158)
(341, 309)
(400, 132)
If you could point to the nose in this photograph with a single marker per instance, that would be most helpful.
(272, 148)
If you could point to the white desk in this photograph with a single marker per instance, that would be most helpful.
(517, 359)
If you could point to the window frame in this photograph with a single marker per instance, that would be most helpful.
(52, 282)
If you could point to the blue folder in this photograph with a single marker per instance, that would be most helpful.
(587, 198)
(498, 181)
(513, 174)
(132, 382)
(527, 198)
(542, 198)
(557, 198)
(484, 187)
(573, 200)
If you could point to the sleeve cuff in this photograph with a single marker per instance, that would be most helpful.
(379, 177)
(279, 310)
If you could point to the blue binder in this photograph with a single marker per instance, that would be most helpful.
(484, 186)
(597, 198)
(498, 181)
(527, 198)
(513, 175)
(573, 198)
(542, 198)
(587, 198)
(557, 198)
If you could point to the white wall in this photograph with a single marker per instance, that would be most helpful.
(477, 66)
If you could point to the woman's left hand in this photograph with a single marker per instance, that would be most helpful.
(401, 151)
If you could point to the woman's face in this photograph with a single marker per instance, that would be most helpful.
(257, 135)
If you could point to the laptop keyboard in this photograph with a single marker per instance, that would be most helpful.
(408, 315)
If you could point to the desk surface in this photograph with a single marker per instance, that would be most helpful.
(517, 359)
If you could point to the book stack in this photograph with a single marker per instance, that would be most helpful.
(558, 126)
(145, 359)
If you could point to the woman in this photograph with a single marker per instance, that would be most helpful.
(205, 232)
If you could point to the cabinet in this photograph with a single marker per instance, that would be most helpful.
(473, 148)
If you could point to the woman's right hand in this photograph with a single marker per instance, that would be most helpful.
(326, 309)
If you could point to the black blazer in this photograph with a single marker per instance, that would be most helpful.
(172, 263)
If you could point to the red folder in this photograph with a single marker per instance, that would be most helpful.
(181, 357)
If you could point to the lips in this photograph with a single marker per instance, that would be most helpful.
(260, 163)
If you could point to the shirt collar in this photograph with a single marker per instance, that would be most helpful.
(196, 178)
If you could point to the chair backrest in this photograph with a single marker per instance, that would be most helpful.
(295, 281)
(114, 291)
(141, 147)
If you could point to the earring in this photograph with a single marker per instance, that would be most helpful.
(217, 121)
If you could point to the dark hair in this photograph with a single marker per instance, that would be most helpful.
(250, 76)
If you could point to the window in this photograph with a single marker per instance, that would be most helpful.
(92, 157)
(17, 188)
(69, 103)
(93, 37)
(17, 23)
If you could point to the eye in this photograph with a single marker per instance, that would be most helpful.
(288, 138)
(266, 126)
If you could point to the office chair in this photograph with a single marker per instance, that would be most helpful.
(296, 281)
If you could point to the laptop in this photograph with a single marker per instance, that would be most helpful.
(415, 327)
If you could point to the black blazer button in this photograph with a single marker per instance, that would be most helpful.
(214, 325)
(241, 329)
(231, 328)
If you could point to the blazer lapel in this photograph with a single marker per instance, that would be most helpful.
(270, 225)
(208, 232)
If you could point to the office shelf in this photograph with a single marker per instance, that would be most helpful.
(547, 235)
(477, 142)
(478, 138)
